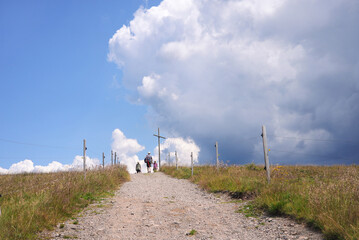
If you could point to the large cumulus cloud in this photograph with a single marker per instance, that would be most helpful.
(218, 70)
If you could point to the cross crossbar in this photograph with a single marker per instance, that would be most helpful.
(158, 136)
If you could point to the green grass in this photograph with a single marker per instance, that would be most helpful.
(325, 197)
(75, 222)
(249, 210)
(34, 202)
(192, 232)
(70, 237)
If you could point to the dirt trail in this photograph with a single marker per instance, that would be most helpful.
(155, 206)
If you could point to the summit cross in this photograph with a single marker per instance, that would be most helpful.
(159, 147)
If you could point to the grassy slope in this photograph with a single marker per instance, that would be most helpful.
(324, 197)
(33, 202)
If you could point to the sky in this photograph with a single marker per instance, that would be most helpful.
(112, 72)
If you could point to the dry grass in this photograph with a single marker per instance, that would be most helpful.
(33, 202)
(325, 197)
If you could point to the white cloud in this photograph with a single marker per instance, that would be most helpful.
(149, 86)
(91, 163)
(3, 170)
(27, 166)
(218, 70)
(183, 147)
(126, 149)
(52, 167)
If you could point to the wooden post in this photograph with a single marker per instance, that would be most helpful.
(103, 160)
(169, 159)
(217, 161)
(115, 159)
(159, 147)
(192, 162)
(85, 148)
(265, 149)
(111, 157)
(176, 160)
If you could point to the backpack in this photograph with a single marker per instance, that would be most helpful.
(148, 160)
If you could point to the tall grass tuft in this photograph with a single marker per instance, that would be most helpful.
(325, 197)
(34, 202)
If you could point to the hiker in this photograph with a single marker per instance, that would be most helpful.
(138, 167)
(155, 166)
(148, 161)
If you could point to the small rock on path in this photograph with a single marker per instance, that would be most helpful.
(156, 206)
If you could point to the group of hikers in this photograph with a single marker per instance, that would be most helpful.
(149, 163)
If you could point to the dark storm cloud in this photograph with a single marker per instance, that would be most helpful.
(291, 65)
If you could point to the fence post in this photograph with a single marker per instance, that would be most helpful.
(85, 148)
(103, 159)
(176, 160)
(192, 162)
(217, 161)
(265, 149)
(111, 157)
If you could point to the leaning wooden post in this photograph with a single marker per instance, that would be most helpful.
(192, 162)
(115, 159)
(265, 149)
(176, 160)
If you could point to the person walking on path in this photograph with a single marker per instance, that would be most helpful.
(138, 167)
(148, 161)
(155, 166)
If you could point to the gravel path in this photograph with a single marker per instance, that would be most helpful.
(155, 206)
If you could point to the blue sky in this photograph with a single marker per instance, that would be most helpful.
(202, 71)
(57, 86)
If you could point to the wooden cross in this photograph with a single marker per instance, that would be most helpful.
(159, 147)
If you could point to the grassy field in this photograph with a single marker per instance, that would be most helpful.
(325, 197)
(33, 202)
